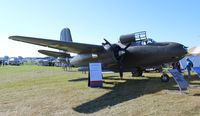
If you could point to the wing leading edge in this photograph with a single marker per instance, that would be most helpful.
(66, 46)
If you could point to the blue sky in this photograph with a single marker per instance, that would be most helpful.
(92, 20)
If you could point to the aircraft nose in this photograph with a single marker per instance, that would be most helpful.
(186, 49)
(181, 49)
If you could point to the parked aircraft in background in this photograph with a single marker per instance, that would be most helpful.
(15, 61)
(133, 53)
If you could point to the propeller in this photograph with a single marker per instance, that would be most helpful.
(107, 45)
(118, 52)
(116, 49)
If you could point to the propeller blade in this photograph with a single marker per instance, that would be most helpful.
(127, 46)
(118, 52)
(107, 42)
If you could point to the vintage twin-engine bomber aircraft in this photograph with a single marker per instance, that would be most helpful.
(133, 53)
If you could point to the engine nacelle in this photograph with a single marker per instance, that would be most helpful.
(82, 59)
(124, 39)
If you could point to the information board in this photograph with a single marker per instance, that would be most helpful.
(179, 78)
(95, 75)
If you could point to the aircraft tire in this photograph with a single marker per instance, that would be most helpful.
(164, 78)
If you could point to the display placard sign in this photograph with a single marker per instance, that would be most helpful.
(197, 70)
(179, 78)
(95, 75)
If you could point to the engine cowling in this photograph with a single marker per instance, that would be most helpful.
(128, 38)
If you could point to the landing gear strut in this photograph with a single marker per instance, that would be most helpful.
(121, 75)
(120, 71)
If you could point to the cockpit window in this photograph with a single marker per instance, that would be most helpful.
(143, 42)
(149, 41)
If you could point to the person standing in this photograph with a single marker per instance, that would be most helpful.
(178, 66)
(189, 67)
(1, 62)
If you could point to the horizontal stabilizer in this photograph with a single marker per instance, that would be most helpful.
(54, 54)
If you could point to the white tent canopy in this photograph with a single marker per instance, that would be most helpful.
(194, 50)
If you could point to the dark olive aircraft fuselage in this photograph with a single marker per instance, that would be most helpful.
(142, 56)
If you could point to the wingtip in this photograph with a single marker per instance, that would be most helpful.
(12, 37)
(41, 51)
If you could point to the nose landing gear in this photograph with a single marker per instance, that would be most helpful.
(164, 78)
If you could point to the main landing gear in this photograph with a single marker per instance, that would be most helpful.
(137, 73)
(164, 78)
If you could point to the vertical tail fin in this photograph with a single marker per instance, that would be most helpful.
(65, 35)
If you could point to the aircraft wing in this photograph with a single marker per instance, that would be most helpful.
(66, 46)
(54, 54)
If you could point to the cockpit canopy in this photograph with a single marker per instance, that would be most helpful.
(138, 38)
(150, 40)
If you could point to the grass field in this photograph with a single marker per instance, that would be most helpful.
(36, 90)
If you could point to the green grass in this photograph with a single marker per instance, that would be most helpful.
(37, 90)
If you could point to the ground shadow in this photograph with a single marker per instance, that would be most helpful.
(125, 91)
(79, 79)
(85, 78)
(111, 77)
(198, 94)
(192, 79)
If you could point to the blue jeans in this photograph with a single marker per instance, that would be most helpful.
(189, 73)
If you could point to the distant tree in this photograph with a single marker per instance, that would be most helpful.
(20, 57)
(6, 57)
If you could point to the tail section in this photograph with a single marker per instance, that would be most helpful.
(65, 35)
